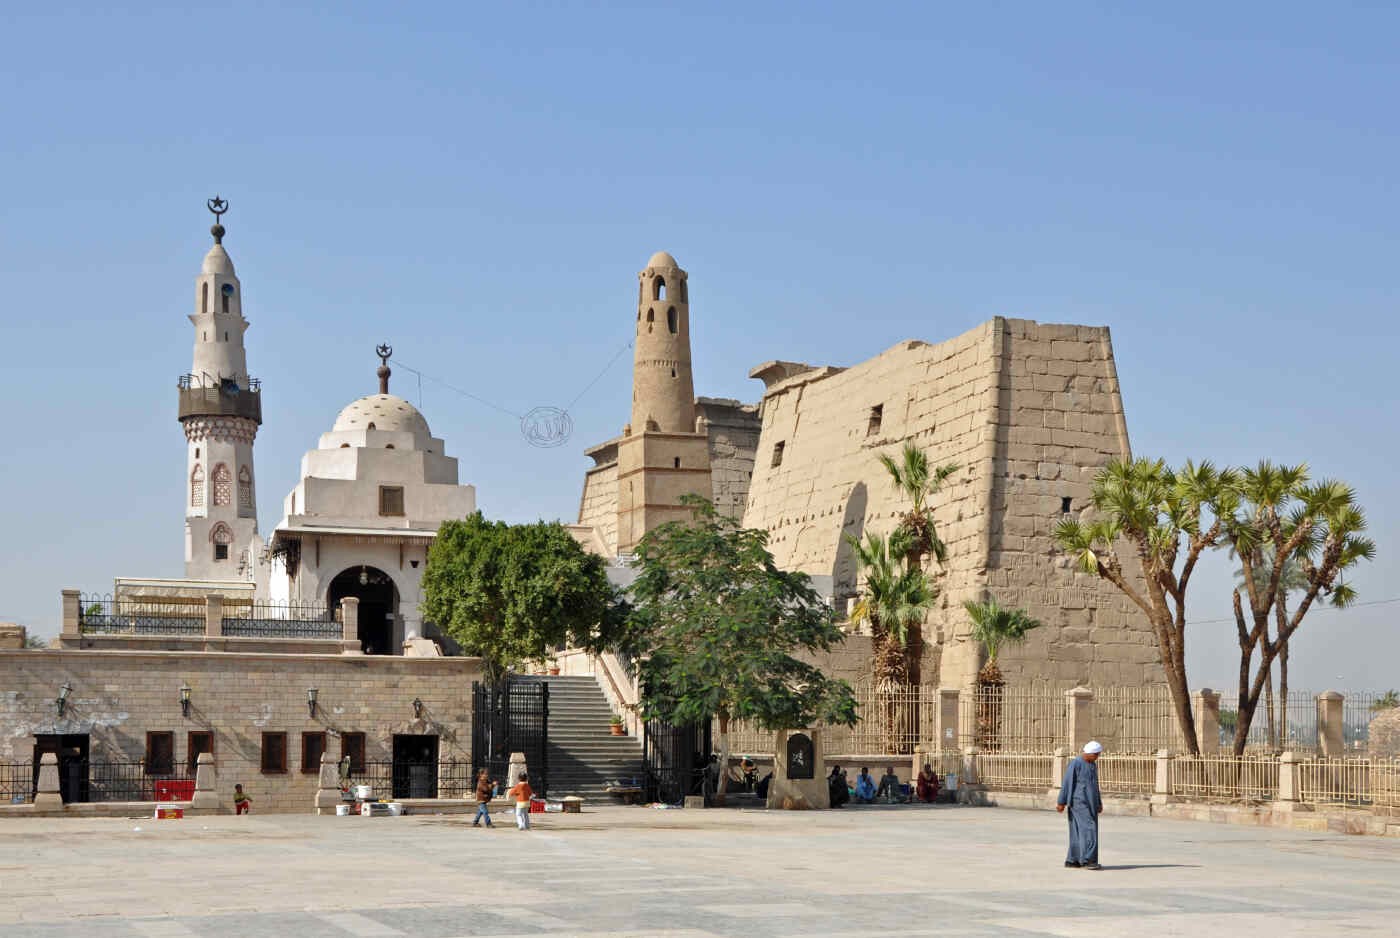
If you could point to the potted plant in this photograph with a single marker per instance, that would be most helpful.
(616, 727)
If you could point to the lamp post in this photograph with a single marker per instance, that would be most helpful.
(311, 701)
(185, 700)
(417, 708)
(62, 700)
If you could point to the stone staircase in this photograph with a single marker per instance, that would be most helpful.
(583, 757)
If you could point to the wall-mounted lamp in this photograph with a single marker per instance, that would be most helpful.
(185, 699)
(417, 708)
(364, 576)
(311, 701)
(62, 700)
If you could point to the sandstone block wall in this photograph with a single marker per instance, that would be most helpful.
(1029, 412)
(118, 697)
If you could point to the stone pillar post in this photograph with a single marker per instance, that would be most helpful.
(1205, 709)
(213, 616)
(1289, 785)
(1162, 784)
(1331, 741)
(328, 785)
(517, 768)
(1079, 702)
(945, 724)
(1057, 769)
(72, 615)
(350, 625)
(46, 793)
(206, 785)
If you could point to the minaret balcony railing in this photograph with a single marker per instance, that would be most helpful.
(227, 398)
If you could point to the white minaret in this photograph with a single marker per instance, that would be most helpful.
(220, 410)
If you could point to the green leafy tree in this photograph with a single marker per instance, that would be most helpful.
(35, 641)
(919, 482)
(1278, 516)
(512, 593)
(1166, 519)
(895, 599)
(1387, 701)
(997, 626)
(716, 625)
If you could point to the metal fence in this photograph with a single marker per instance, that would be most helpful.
(104, 615)
(1225, 778)
(1006, 771)
(1134, 719)
(1335, 782)
(16, 782)
(397, 780)
(1385, 786)
(280, 620)
(1127, 775)
(1014, 718)
(512, 719)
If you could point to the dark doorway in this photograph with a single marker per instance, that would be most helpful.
(72, 752)
(415, 766)
(379, 602)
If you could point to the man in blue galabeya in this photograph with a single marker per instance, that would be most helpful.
(1079, 796)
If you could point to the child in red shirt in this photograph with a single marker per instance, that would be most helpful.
(522, 793)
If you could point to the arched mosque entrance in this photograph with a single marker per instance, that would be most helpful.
(379, 605)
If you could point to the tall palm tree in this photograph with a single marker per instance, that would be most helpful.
(1292, 579)
(913, 476)
(995, 626)
(896, 598)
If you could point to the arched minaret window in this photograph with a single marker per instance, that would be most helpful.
(658, 289)
(221, 537)
(245, 488)
(223, 485)
(671, 320)
(197, 487)
(225, 292)
(204, 299)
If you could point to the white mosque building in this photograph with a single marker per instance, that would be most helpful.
(358, 522)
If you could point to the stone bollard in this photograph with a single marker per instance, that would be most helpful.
(72, 615)
(206, 785)
(516, 769)
(1079, 703)
(1162, 784)
(46, 793)
(1058, 762)
(1331, 741)
(328, 785)
(946, 720)
(1289, 789)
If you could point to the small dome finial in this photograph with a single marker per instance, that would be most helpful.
(218, 206)
(384, 351)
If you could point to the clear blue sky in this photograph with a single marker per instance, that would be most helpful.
(480, 183)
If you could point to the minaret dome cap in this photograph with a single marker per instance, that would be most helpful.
(217, 261)
(663, 259)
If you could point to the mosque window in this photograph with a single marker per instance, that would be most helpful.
(197, 487)
(352, 746)
(658, 289)
(1065, 505)
(274, 753)
(223, 485)
(204, 303)
(160, 753)
(671, 320)
(245, 488)
(391, 500)
(313, 746)
(344, 445)
(222, 538)
(651, 315)
(226, 292)
(371, 426)
(778, 448)
(388, 445)
(199, 741)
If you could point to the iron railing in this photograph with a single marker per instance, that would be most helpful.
(1126, 775)
(396, 780)
(514, 718)
(1014, 771)
(264, 619)
(17, 782)
(1225, 778)
(1335, 782)
(1014, 718)
(104, 615)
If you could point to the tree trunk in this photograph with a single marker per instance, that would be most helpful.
(1269, 718)
(722, 784)
(1283, 693)
(1175, 667)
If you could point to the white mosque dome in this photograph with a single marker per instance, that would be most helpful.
(663, 260)
(217, 261)
(383, 412)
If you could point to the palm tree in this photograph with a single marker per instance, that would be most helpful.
(913, 476)
(896, 598)
(994, 626)
(1292, 578)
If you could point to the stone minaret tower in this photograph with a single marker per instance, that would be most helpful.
(220, 410)
(663, 454)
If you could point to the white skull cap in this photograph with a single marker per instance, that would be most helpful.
(1093, 747)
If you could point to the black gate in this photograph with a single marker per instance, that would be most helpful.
(511, 719)
(676, 759)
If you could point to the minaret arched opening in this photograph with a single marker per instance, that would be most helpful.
(658, 288)
(204, 299)
(671, 320)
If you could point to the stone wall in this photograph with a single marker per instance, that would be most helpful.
(1029, 413)
(117, 697)
(598, 505)
(733, 430)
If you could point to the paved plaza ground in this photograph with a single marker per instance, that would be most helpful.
(689, 874)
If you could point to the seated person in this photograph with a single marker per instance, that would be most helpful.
(889, 788)
(838, 787)
(927, 789)
(761, 789)
(865, 787)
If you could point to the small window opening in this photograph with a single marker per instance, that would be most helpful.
(344, 445)
(1065, 505)
(388, 445)
(196, 452)
(658, 289)
(225, 299)
(220, 551)
(651, 315)
(673, 372)
(370, 427)
(678, 462)
(877, 416)
(778, 454)
(391, 500)
(671, 320)
(225, 336)
(204, 299)
(206, 335)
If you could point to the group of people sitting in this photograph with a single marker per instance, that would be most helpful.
(889, 790)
